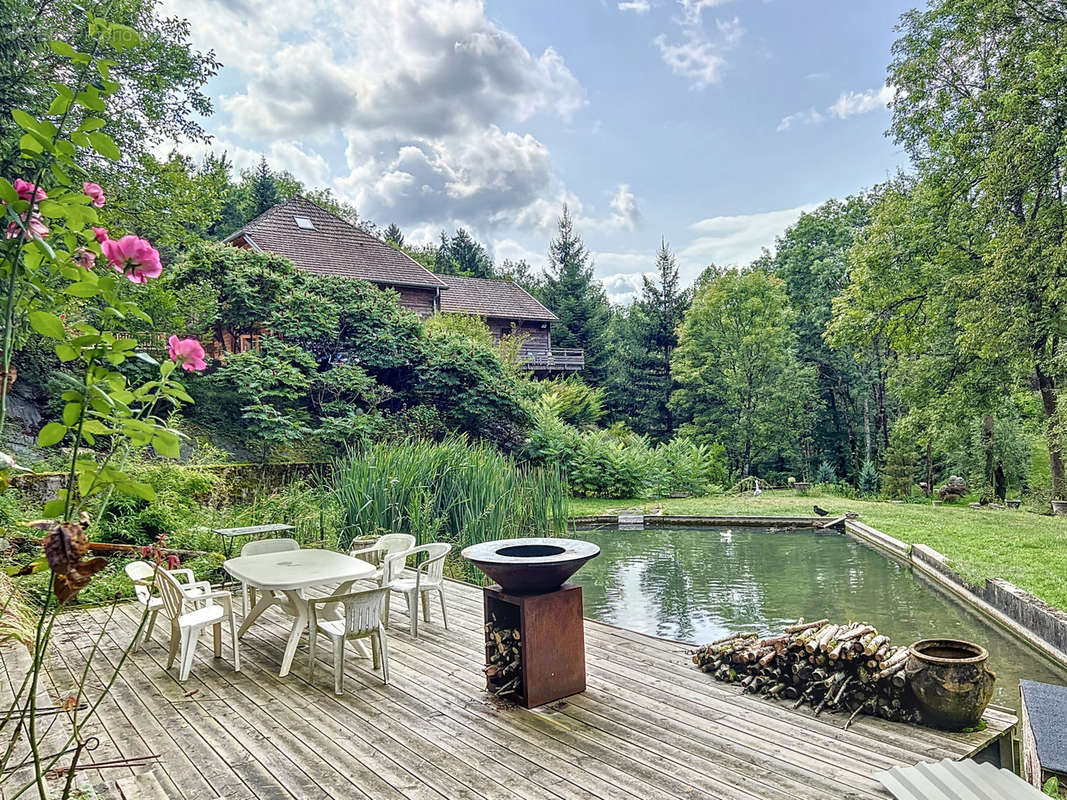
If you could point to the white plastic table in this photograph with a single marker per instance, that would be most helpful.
(290, 572)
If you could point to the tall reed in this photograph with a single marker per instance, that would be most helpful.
(454, 491)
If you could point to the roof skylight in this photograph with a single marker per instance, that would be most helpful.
(304, 223)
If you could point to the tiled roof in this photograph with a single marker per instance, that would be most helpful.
(491, 298)
(333, 247)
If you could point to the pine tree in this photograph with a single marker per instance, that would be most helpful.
(652, 327)
(571, 292)
(899, 472)
(825, 473)
(468, 257)
(394, 236)
(443, 260)
(868, 479)
(264, 189)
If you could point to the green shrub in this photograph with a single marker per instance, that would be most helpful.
(606, 466)
(571, 401)
(682, 465)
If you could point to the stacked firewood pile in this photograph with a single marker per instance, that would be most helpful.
(849, 668)
(503, 658)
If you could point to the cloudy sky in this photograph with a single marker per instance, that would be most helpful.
(711, 123)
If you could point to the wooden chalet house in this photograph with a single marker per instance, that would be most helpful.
(324, 244)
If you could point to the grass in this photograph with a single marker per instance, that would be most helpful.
(1026, 548)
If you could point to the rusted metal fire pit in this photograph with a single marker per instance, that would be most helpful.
(534, 636)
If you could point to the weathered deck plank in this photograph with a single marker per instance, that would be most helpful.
(649, 725)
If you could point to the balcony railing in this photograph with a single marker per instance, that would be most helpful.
(553, 360)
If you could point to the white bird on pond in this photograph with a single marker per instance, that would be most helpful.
(726, 535)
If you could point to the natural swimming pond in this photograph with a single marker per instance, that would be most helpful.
(698, 584)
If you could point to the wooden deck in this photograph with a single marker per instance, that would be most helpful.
(649, 727)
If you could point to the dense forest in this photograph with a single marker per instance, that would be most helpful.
(894, 337)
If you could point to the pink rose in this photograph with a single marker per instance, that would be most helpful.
(35, 226)
(95, 193)
(134, 257)
(84, 257)
(28, 191)
(187, 353)
(100, 234)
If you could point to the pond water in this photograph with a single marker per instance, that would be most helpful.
(698, 584)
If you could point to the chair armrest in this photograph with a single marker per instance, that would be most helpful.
(187, 573)
(422, 567)
(198, 590)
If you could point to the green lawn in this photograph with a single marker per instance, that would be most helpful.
(1028, 549)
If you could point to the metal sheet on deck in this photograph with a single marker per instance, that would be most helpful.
(956, 780)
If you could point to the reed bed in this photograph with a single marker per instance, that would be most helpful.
(454, 491)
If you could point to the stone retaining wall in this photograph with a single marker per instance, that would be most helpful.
(1043, 626)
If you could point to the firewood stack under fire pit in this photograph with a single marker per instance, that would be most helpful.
(848, 668)
(503, 658)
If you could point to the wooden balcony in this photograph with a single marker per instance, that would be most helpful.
(553, 360)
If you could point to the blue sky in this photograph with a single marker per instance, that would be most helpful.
(712, 123)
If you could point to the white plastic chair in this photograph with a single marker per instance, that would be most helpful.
(362, 619)
(258, 548)
(416, 584)
(388, 545)
(191, 609)
(143, 575)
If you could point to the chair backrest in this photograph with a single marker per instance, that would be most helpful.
(393, 543)
(141, 572)
(363, 610)
(170, 591)
(263, 546)
(433, 568)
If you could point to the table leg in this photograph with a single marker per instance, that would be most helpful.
(300, 623)
(266, 600)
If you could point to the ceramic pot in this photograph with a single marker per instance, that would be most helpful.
(950, 681)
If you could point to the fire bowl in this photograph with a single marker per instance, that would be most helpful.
(530, 566)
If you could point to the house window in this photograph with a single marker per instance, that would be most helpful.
(304, 223)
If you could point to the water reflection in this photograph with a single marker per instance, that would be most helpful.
(697, 584)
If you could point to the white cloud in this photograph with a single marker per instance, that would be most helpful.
(693, 9)
(431, 68)
(636, 6)
(698, 56)
(735, 240)
(624, 287)
(849, 104)
(624, 216)
(511, 250)
(695, 58)
(809, 117)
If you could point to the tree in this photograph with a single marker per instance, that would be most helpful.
(394, 236)
(160, 78)
(980, 106)
(739, 379)
(264, 189)
(579, 301)
(643, 339)
(521, 274)
(462, 255)
(811, 258)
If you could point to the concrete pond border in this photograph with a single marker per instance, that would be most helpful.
(1038, 624)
